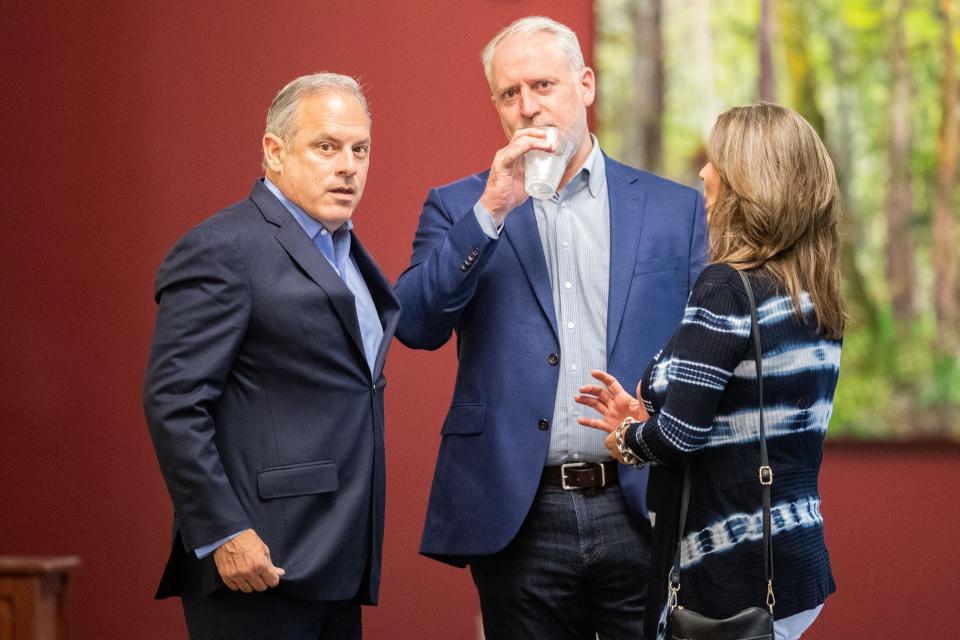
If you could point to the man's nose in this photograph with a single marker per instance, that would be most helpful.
(529, 105)
(346, 163)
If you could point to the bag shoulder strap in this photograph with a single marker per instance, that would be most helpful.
(765, 473)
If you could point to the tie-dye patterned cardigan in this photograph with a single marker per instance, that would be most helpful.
(701, 393)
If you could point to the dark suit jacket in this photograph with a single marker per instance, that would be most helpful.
(496, 295)
(262, 407)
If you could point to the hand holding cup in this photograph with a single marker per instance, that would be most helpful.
(505, 190)
(543, 170)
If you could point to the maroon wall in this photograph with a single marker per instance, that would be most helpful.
(893, 531)
(123, 127)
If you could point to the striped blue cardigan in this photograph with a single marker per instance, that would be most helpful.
(701, 393)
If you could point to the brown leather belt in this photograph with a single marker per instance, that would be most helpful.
(581, 475)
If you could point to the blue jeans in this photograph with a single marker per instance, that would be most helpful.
(577, 568)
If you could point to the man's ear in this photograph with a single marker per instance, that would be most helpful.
(588, 85)
(273, 152)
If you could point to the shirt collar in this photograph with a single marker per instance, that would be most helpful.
(310, 225)
(593, 171)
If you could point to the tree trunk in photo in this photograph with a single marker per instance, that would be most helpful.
(648, 84)
(901, 276)
(945, 254)
(767, 86)
(709, 102)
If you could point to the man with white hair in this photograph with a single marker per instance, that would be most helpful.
(540, 293)
(264, 387)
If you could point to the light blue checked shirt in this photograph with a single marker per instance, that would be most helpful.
(574, 230)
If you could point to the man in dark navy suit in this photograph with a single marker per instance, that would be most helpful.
(594, 276)
(264, 388)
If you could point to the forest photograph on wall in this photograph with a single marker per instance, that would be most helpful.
(878, 80)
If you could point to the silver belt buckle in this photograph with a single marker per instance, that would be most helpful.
(579, 465)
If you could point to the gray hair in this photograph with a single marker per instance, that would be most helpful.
(565, 37)
(282, 114)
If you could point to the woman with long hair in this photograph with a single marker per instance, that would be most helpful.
(772, 212)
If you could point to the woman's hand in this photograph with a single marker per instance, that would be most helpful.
(612, 403)
(614, 406)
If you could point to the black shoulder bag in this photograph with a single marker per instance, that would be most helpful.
(752, 623)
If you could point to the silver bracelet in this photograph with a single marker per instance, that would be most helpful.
(626, 455)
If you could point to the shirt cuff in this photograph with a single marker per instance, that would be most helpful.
(204, 551)
(485, 219)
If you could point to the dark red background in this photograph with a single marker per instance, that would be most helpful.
(125, 125)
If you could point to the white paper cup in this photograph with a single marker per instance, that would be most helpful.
(543, 170)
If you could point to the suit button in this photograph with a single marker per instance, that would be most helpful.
(475, 251)
(553, 358)
(464, 266)
(544, 424)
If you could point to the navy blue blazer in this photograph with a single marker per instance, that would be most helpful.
(262, 408)
(496, 295)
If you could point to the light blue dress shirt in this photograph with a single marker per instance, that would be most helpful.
(574, 227)
(335, 247)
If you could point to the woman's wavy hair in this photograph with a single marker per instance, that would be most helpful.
(778, 207)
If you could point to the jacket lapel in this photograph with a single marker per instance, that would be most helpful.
(301, 249)
(627, 200)
(521, 230)
(388, 307)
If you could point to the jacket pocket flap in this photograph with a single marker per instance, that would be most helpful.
(657, 264)
(297, 479)
(464, 419)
